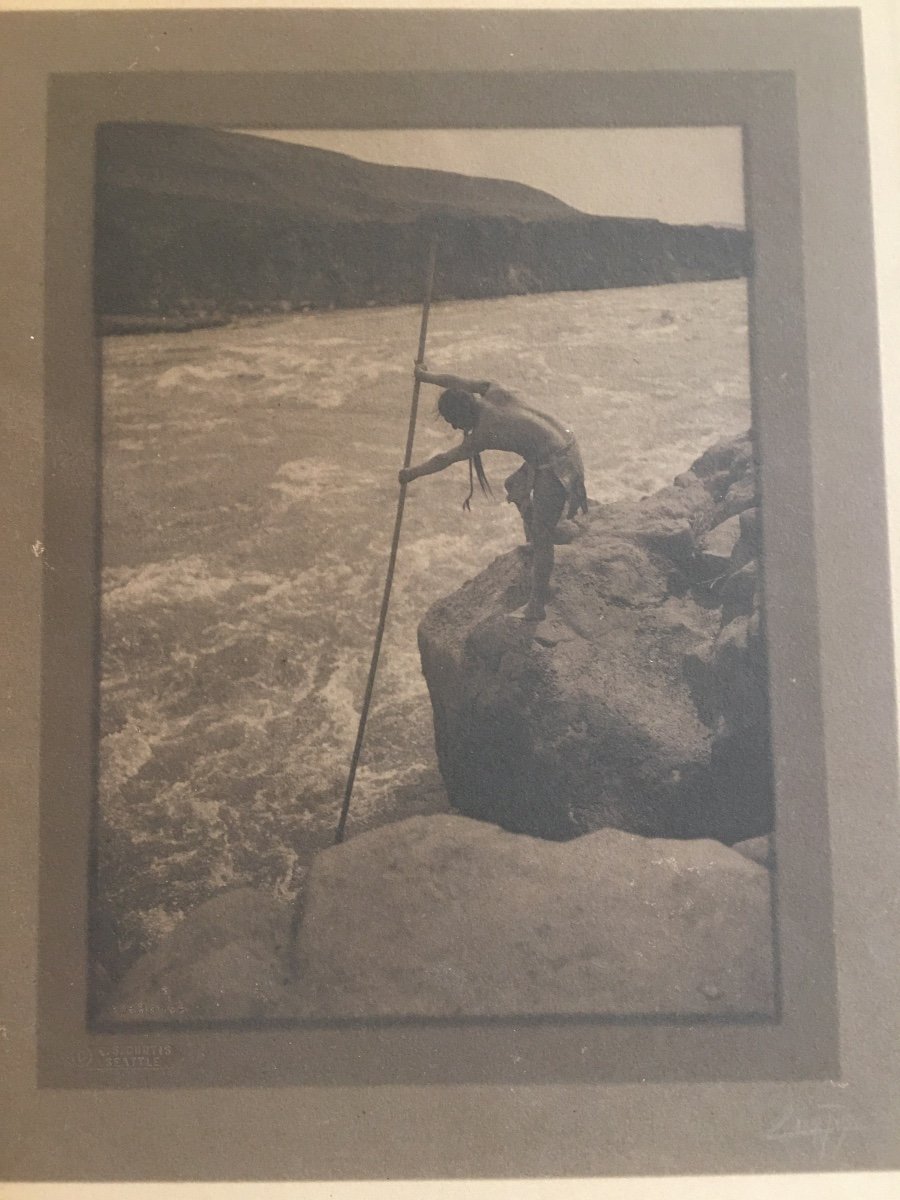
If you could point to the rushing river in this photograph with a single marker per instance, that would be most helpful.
(248, 500)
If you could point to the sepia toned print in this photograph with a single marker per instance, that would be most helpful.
(741, 1077)
(563, 800)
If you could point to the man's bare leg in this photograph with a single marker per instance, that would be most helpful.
(562, 534)
(541, 570)
(518, 492)
(526, 512)
(549, 502)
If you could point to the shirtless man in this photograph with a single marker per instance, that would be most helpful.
(549, 482)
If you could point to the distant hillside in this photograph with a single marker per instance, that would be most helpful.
(201, 220)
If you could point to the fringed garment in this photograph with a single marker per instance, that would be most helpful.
(566, 464)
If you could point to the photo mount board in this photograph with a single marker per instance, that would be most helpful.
(811, 305)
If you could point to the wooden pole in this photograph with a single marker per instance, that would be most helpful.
(392, 560)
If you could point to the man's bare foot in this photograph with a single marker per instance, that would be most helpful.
(565, 532)
(532, 613)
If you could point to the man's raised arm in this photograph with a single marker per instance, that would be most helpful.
(480, 386)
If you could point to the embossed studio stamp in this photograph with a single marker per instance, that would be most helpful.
(143, 1056)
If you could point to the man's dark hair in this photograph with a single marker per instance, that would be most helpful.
(458, 408)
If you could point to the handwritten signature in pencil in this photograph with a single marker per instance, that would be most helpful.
(824, 1126)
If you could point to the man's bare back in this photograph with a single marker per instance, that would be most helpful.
(492, 418)
(505, 423)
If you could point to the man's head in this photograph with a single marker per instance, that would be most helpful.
(459, 409)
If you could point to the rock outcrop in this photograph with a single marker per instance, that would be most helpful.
(641, 702)
(442, 916)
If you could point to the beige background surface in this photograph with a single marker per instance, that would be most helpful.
(881, 20)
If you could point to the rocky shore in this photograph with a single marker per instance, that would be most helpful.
(610, 850)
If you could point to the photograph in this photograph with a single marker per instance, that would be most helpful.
(563, 800)
(450, 713)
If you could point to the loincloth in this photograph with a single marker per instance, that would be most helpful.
(567, 466)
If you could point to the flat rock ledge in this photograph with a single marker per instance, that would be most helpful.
(444, 916)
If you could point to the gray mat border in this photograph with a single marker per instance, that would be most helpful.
(851, 643)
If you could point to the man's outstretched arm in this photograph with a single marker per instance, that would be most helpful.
(480, 386)
(432, 465)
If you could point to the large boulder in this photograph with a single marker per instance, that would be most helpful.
(638, 703)
(442, 916)
(445, 916)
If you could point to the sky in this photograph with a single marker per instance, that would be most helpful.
(684, 176)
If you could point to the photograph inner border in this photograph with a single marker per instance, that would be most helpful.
(803, 1041)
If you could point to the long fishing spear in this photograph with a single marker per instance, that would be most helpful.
(395, 543)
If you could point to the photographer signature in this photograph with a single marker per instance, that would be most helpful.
(824, 1126)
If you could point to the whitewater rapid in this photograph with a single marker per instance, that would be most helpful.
(249, 487)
